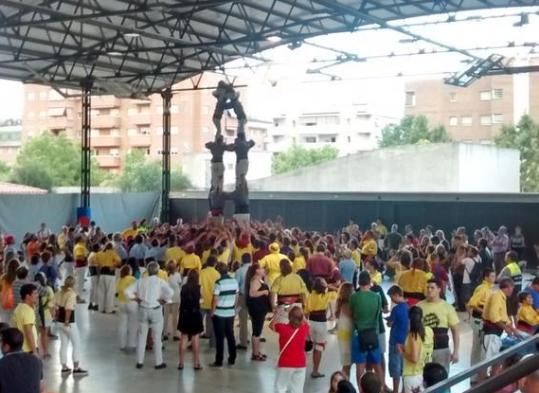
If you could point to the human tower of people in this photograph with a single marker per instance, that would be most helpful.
(189, 281)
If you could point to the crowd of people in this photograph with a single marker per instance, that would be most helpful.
(383, 294)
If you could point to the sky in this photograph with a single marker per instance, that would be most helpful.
(373, 79)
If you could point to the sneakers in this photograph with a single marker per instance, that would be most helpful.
(65, 370)
(161, 366)
(216, 365)
(241, 347)
(139, 365)
(79, 371)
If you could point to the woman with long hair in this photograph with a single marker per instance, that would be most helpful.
(66, 300)
(7, 297)
(334, 380)
(345, 326)
(318, 305)
(258, 305)
(417, 351)
(190, 321)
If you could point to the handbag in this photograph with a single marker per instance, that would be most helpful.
(368, 340)
(309, 345)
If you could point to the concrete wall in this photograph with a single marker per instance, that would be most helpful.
(197, 168)
(444, 167)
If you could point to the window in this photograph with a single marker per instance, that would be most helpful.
(453, 121)
(497, 118)
(230, 132)
(144, 108)
(114, 132)
(327, 138)
(115, 152)
(279, 121)
(466, 121)
(452, 97)
(485, 120)
(31, 97)
(159, 131)
(114, 112)
(132, 131)
(57, 112)
(410, 98)
(144, 130)
(309, 139)
(497, 94)
(278, 138)
(173, 109)
(173, 150)
(485, 95)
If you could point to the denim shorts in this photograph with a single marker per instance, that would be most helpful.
(373, 356)
(394, 362)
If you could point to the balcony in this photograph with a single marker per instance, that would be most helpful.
(140, 118)
(105, 122)
(105, 102)
(140, 140)
(106, 141)
(108, 161)
(54, 123)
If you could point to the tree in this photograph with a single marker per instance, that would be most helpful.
(50, 161)
(5, 171)
(141, 175)
(412, 130)
(298, 157)
(525, 138)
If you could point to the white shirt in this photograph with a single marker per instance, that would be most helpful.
(150, 290)
(175, 282)
(469, 264)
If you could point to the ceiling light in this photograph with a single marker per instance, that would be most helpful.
(131, 35)
(114, 53)
(274, 38)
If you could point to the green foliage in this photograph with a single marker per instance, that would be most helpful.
(141, 175)
(299, 157)
(47, 161)
(412, 130)
(5, 171)
(525, 138)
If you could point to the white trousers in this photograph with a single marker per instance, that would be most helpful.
(69, 335)
(94, 283)
(290, 380)
(80, 275)
(412, 383)
(69, 269)
(128, 326)
(105, 293)
(150, 318)
(172, 312)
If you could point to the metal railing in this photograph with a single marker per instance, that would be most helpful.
(505, 378)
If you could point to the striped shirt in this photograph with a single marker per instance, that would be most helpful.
(226, 289)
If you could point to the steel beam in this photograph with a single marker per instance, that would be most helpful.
(165, 151)
(86, 157)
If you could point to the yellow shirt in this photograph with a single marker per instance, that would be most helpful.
(298, 264)
(224, 257)
(61, 240)
(317, 301)
(22, 316)
(205, 256)
(47, 302)
(376, 278)
(238, 252)
(108, 258)
(92, 258)
(291, 284)
(480, 295)
(174, 254)
(121, 285)
(496, 308)
(425, 353)
(130, 232)
(370, 248)
(381, 229)
(191, 261)
(271, 263)
(208, 276)
(439, 314)
(80, 251)
(527, 314)
(413, 281)
(356, 256)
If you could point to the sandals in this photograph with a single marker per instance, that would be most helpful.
(317, 375)
(180, 366)
(259, 358)
(197, 367)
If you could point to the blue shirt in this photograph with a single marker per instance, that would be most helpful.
(535, 296)
(138, 251)
(240, 277)
(347, 267)
(400, 322)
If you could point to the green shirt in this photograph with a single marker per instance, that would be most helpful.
(366, 307)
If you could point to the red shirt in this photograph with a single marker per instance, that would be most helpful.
(257, 256)
(320, 266)
(294, 354)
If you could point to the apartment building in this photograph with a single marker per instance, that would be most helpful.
(351, 128)
(119, 126)
(10, 142)
(478, 112)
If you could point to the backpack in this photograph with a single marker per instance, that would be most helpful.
(7, 298)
